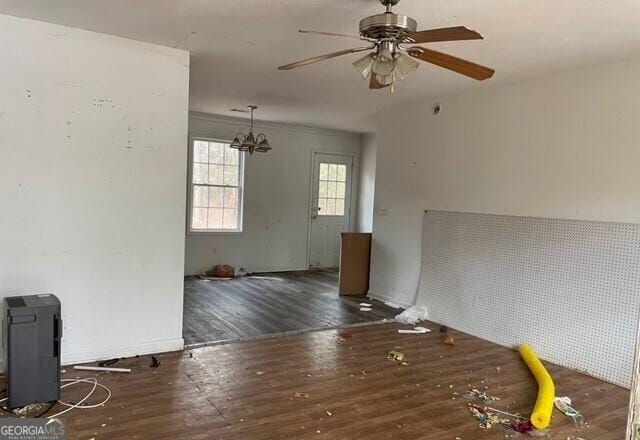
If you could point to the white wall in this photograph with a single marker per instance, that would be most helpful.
(276, 204)
(367, 179)
(563, 146)
(92, 172)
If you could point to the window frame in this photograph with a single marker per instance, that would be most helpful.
(241, 162)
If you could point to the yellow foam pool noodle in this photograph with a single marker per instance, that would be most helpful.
(541, 415)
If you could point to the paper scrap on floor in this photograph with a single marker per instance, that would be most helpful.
(365, 309)
(412, 315)
(365, 305)
(415, 331)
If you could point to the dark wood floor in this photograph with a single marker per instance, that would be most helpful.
(270, 304)
(246, 390)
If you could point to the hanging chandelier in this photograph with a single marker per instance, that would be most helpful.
(251, 142)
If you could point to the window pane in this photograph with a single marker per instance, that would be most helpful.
(199, 173)
(200, 196)
(322, 205)
(199, 218)
(333, 171)
(324, 174)
(340, 190)
(322, 192)
(331, 189)
(231, 198)
(216, 153)
(200, 152)
(331, 206)
(216, 194)
(342, 173)
(231, 156)
(231, 175)
(215, 197)
(339, 206)
(230, 220)
(215, 174)
(215, 218)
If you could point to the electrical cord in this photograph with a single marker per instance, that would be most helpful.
(79, 404)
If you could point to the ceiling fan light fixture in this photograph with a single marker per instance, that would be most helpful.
(405, 66)
(385, 80)
(383, 66)
(364, 65)
(384, 62)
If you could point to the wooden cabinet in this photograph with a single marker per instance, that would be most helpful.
(355, 255)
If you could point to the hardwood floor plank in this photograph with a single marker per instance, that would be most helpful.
(270, 304)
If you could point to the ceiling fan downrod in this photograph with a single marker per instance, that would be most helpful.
(389, 4)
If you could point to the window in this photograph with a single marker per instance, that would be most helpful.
(332, 188)
(216, 187)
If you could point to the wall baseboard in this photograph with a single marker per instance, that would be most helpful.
(384, 298)
(127, 351)
(117, 352)
(265, 270)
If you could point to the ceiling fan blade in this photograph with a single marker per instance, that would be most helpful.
(457, 33)
(450, 62)
(331, 34)
(323, 57)
(374, 84)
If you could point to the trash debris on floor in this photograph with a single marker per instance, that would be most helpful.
(482, 396)
(449, 340)
(489, 416)
(365, 305)
(105, 369)
(564, 405)
(109, 362)
(415, 331)
(221, 271)
(259, 373)
(412, 315)
(365, 309)
(155, 363)
(486, 418)
(395, 355)
(301, 395)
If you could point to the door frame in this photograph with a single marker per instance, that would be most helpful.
(353, 190)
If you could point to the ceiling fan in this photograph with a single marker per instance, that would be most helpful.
(393, 38)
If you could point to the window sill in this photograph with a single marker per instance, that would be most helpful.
(196, 233)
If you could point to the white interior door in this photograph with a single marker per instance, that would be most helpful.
(330, 207)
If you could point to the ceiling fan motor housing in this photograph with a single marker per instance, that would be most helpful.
(387, 25)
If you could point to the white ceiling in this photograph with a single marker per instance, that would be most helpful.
(236, 46)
